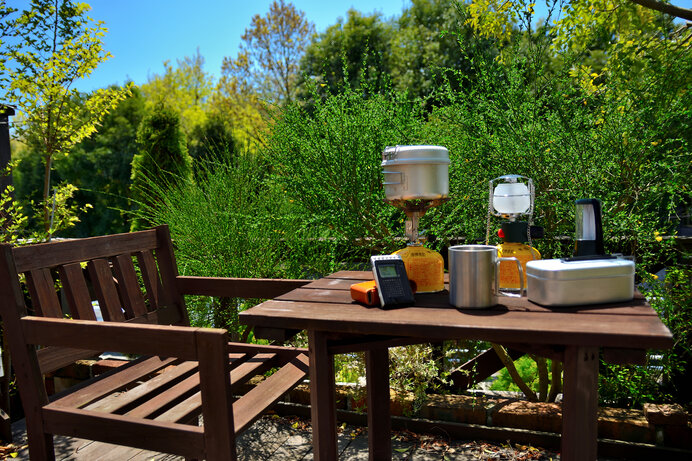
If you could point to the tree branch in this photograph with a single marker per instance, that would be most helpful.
(667, 8)
(509, 364)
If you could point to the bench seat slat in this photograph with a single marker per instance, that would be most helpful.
(192, 406)
(126, 375)
(250, 406)
(117, 401)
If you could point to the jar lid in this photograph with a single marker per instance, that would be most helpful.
(395, 155)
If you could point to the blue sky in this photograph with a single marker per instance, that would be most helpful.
(142, 34)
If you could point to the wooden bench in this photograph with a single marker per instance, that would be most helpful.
(154, 402)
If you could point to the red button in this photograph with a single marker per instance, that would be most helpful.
(500, 233)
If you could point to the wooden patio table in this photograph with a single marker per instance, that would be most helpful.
(575, 335)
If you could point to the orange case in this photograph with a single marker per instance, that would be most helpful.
(365, 293)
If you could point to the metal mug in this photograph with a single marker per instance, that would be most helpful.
(473, 275)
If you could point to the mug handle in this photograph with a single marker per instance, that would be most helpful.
(522, 283)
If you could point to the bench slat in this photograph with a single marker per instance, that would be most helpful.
(105, 290)
(150, 276)
(184, 440)
(52, 254)
(76, 291)
(126, 375)
(192, 406)
(116, 402)
(250, 406)
(133, 301)
(42, 292)
(53, 358)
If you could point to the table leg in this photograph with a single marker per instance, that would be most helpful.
(379, 420)
(580, 404)
(322, 397)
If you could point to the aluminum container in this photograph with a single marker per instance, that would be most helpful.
(415, 172)
(556, 282)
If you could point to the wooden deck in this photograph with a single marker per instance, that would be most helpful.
(282, 439)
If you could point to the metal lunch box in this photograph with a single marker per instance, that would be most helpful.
(559, 282)
(415, 172)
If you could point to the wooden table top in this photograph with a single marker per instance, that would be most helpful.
(326, 305)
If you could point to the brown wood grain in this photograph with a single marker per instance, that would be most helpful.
(52, 254)
(24, 361)
(126, 375)
(379, 420)
(105, 290)
(322, 397)
(498, 325)
(43, 295)
(118, 401)
(580, 404)
(53, 358)
(168, 271)
(250, 406)
(236, 287)
(150, 277)
(121, 337)
(76, 291)
(128, 286)
(217, 399)
(192, 406)
(184, 440)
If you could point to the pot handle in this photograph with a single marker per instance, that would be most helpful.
(522, 284)
(389, 183)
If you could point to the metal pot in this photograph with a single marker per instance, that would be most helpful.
(415, 172)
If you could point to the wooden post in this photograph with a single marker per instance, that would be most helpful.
(580, 404)
(322, 397)
(379, 420)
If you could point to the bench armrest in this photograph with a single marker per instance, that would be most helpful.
(162, 340)
(230, 287)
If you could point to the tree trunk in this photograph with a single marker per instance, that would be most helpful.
(46, 196)
(509, 364)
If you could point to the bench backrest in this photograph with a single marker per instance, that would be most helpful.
(126, 277)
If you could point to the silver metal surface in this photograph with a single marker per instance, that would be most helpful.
(415, 172)
(473, 276)
(554, 282)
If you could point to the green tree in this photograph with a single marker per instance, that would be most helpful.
(59, 45)
(162, 160)
(265, 70)
(427, 46)
(356, 51)
(185, 89)
(100, 166)
(269, 57)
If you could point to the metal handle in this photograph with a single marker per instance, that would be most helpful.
(522, 285)
(401, 178)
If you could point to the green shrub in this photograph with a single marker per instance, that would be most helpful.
(163, 159)
(327, 160)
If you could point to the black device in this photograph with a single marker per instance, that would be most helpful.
(393, 286)
(589, 232)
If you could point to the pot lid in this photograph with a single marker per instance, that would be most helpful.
(559, 269)
(415, 154)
